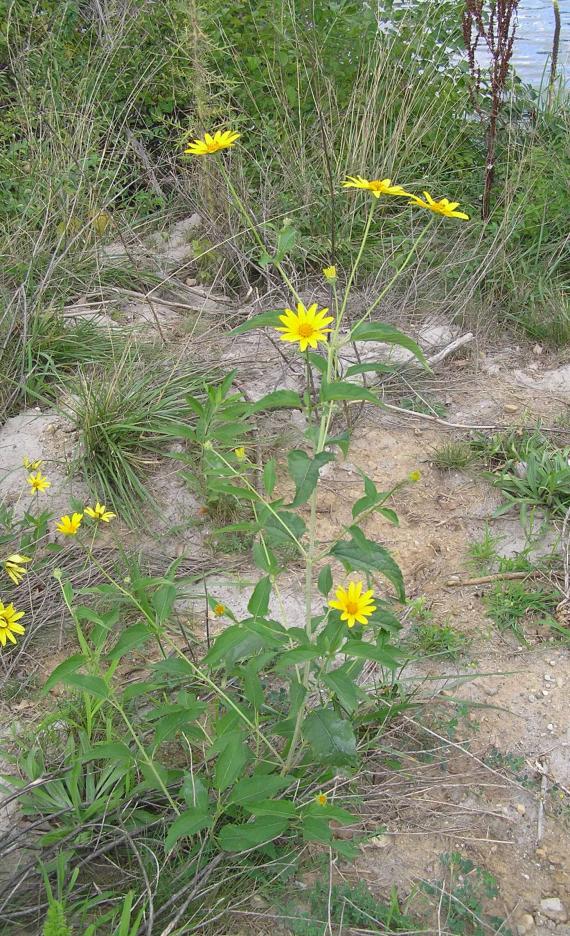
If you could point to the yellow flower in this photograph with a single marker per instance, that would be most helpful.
(240, 453)
(415, 475)
(330, 272)
(443, 207)
(307, 326)
(9, 626)
(99, 512)
(38, 482)
(13, 567)
(69, 525)
(211, 144)
(31, 465)
(378, 187)
(322, 799)
(219, 609)
(356, 607)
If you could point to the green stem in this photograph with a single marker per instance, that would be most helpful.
(354, 269)
(252, 226)
(398, 272)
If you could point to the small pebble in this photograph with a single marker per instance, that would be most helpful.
(547, 677)
(550, 726)
(510, 408)
(520, 808)
(525, 924)
(540, 852)
(531, 698)
(552, 662)
(544, 692)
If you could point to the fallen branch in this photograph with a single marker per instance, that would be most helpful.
(450, 425)
(496, 577)
(457, 343)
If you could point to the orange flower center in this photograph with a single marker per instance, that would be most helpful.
(352, 607)
(306, 330)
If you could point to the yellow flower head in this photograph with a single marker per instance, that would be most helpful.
(378, 187)
(38, 482)
(14, 567)
(31, 465)
(355, 605)
(307, 326)
(69, 525)
(219, 610)
(240, 453)
(9, 626)
(329, 272)
(99, 512)
(322, 799)
(211, 144)
(442, 207)
(414, 476)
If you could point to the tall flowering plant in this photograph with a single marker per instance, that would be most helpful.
(276, 708)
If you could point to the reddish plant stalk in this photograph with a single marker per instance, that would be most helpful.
(490, 23)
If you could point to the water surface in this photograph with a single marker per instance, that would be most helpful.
(533, 44)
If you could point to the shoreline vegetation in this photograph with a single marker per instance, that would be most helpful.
(281, 170)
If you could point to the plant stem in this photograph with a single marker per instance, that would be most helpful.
(252, 226)
(354, 269)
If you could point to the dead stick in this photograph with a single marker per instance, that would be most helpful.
(496, 577)
(450, 425)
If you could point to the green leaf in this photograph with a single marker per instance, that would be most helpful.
(220, 485)
(269, 476)
(385, 655)
(264, 320)
(195, 405)
(270, 807)
(364, 555)
(377, 331)
(343, 687)
(389, 515)
(279, 399)
(342, 390)
(236, 838)
(231, 637)
(258, 604)
(130, 638)
(282, 526)
(285, 241)
(188, 823)
(265, 559)
(330, 811)
(325, 580)
(195, 793)
(342, 440)
(316, 830)
(296, 656)
(318, 360)
(332, 739)
(93, 685)
(252, 686)
(231, 762)
(111, 750)
(305, 473)
(258, 786)
(170, 724)
(369, 368)
(273, 635)
(63, 669)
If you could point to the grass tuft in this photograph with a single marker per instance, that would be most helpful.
(123, 412)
